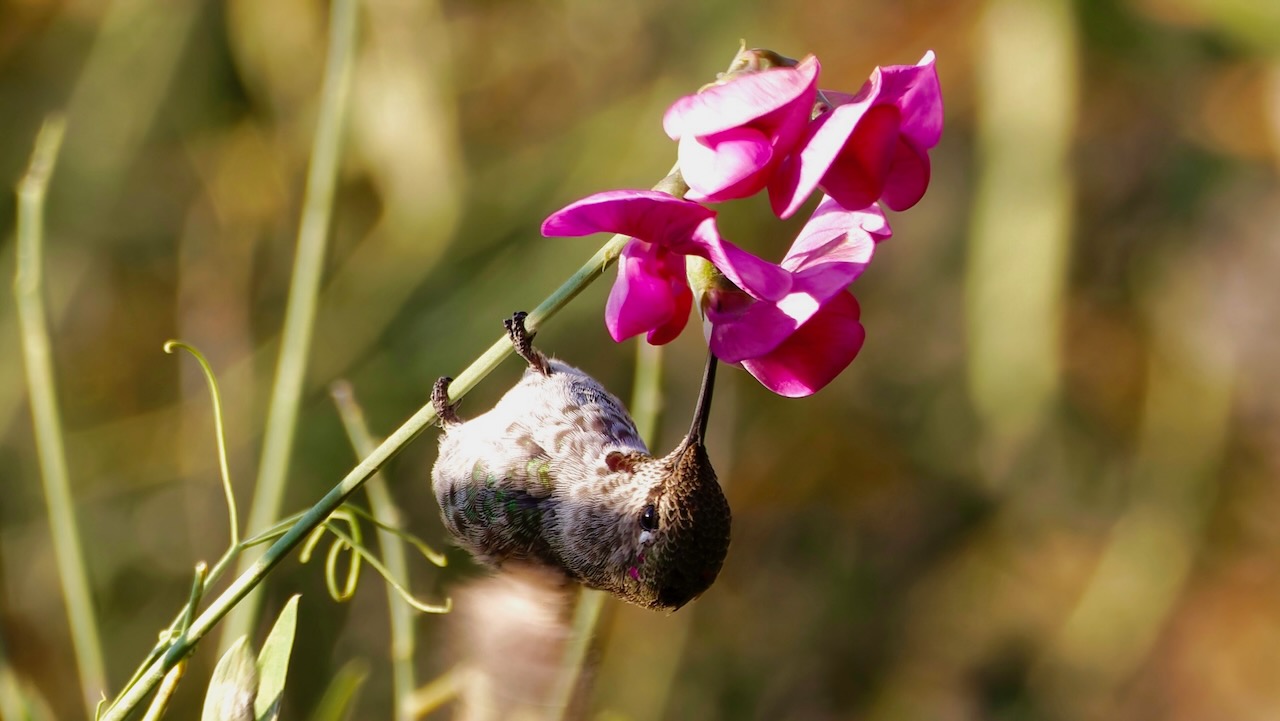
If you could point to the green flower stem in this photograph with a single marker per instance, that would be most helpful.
(220, 435)
(12, 704)
(300, 313)
(316, 515)
(160, 705)
(160, 702)
(384, 509)
(646, 406)
(206, 578)
(32, 319)
(357, 548)
(437, 693)
(183, 620)
(586, 614)
(646, 396)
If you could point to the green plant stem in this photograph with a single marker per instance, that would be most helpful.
(12, 704)
(220, 435)
(358, 549)
(585, 616)
(342, 692)
(385, 511)
(295, 341)
(183, 620)
(646, 396)
(160, 704)
(410, 429)
(438, 692)
(646, 405)
(32, 319)
(205, 578)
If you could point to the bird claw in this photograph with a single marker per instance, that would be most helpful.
(447, 412)
(522, 339)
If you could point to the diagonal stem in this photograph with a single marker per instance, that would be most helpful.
(28, 294)
(384, 509)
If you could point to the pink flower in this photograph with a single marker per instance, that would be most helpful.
(797, 340)
(651, 294)
(868, 147)
(734, 135)
(815, 353)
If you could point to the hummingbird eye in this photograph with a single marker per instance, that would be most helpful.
(649, 518)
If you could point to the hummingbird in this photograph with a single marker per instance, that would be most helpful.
(556, 476)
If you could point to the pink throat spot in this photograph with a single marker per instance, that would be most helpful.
(634, 573)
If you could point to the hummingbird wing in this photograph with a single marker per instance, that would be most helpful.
(492, 488)
(587, 413)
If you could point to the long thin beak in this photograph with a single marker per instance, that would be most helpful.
(702, 413)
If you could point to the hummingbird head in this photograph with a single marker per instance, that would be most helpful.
(662, 534)
(684, 530)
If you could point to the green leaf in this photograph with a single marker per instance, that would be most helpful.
(340, 698)
(234, 685)
(273, 663)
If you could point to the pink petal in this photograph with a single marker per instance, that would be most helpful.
(647, 296)
(679, 226)
(645, 214)
(801, 172)
(759, 278)
(750, 332)
(834, 248)
(785, 191)
(742, 100)
(851, 152)
(815, 354)
(915, 90)
(727, 165)
(682, 303)
(835, 233)
(908, 179)
(856, 177)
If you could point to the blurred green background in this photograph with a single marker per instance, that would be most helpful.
(1047, 489)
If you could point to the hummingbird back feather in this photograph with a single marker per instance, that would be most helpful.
(548, 436)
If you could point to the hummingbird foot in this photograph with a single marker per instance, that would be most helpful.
(447, 412)
(522, 339)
